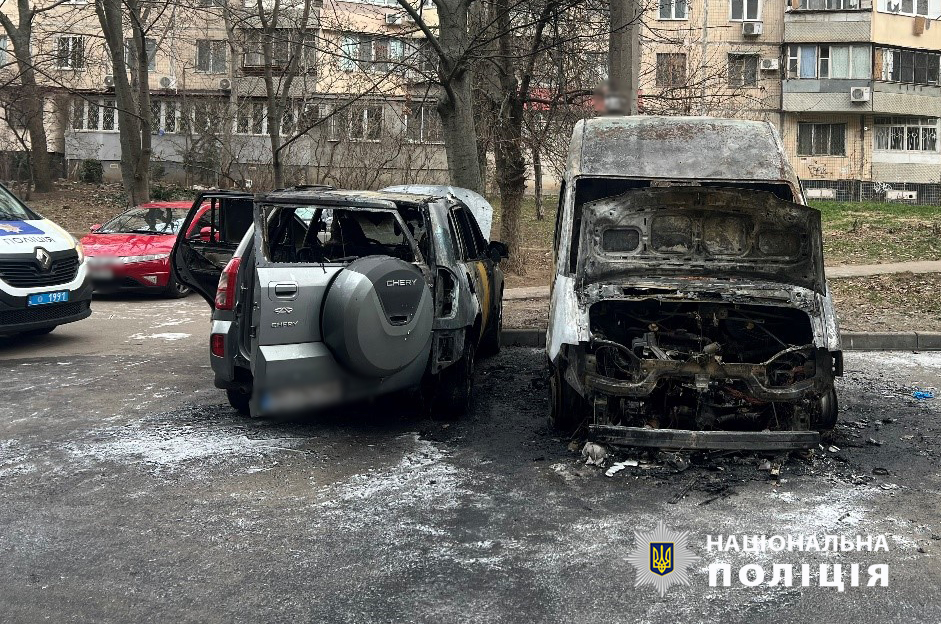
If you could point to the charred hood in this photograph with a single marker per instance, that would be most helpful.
(700, 232)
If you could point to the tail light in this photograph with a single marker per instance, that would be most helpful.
(225, 294)
(217, 345)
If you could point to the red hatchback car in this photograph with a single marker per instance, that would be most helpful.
(132, 250)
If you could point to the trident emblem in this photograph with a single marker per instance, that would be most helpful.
(661, 557)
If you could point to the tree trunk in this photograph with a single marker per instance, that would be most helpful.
(31, 100)
(624, 56)
(460, 136)
(132, 120)
(456, 103)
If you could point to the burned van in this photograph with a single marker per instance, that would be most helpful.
(689, 306)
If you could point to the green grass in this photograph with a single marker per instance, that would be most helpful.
(869, 232)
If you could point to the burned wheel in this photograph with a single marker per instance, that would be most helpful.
(567, 410)
(239, 399)
(824, 419)
(456, 388)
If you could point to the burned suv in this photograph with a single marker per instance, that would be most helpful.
(340, 295)
(689, 307)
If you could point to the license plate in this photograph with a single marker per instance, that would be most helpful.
(59, 296)
(102, 275)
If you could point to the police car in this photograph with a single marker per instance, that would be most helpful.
(43, 280)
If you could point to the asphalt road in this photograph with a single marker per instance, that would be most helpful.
(130, 492)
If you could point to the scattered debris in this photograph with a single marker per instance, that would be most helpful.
(594, 454)
(677, 461)
(619, 466)
(776, 471)
(682, 493)
(874, 442)
(834, 449)
(923, 395)
(880, 471)
(765, 465)
(923, 549)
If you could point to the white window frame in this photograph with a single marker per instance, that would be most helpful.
(793, 56)
(744, 59)
(814, 125)
(424, 109)
(72, 39)
(672, 17)
(896, 7)
(745, 17)
(905, 124)
(161, 122)
(225, 57)
(103, 105)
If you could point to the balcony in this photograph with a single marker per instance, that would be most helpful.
(834, 26)
(834, 96)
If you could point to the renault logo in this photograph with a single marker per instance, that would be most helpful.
(45, 260)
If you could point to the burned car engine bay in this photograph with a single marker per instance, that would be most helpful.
(707, 365)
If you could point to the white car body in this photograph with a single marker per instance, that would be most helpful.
(43, 273)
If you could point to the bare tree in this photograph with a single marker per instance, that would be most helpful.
(129, 65)
(32, 94)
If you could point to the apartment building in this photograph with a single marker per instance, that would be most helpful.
(852, 86)
(359, 110)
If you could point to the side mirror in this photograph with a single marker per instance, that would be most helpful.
(95, 227)
(497, 251)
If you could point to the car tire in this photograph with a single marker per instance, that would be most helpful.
(174, 289)
(456, 387)
(491, 343)
(567, 410)
(827, 411)
(239, 399)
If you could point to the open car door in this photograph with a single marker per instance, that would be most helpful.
(215, 225)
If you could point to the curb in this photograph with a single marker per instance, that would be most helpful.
(852, 341)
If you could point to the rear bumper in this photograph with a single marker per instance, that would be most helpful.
(137, 276)
(16, 316)
(679, 439)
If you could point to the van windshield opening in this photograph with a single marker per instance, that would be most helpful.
(334, 235)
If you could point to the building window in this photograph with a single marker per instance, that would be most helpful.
(70, 52)
(164, 117)
(358, 122)
(282, 47)
(210, 56)
(745, 11)
(909, 66)
(743, 70)
(821, 139)
(130, 53)
(371, 53)
(423, 124)
(908, 134)
(829, 5)
(828, 61)
(907, 7)
(251, 118)
(674, 9)
(93, 115)
(671, 69)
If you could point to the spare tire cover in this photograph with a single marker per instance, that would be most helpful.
(377, 316)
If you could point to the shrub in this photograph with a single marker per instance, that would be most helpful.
(90, 170)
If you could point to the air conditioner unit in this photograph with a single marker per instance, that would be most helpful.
(225, 84)
(393, 19)
(752, 29)
(770, 64)
(860, 94)
(901, 195)
(109, 81)
(167, 82)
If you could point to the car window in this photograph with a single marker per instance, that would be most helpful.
(11, 209)
(472, 248)
(479, 241)
(334, 235)
(460, 248)
(150, 220)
